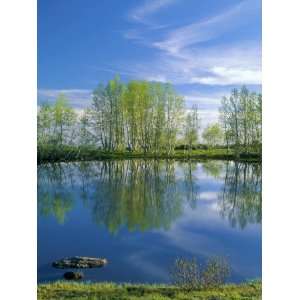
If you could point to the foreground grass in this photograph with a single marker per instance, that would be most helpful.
(71, 153)
(110, 291)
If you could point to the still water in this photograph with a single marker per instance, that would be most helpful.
(142, 215)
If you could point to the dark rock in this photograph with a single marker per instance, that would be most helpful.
(73, 275)
(79, 262)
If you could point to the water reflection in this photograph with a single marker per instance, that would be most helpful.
(240, 199)
(143, 195)
(53, 196)
(213, 168)
(136, 194)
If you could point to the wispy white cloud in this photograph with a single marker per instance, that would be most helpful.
(207, 29)
(113, 70)
(214, 65)
(67, 92)
(149, 7)
(229, 75)
(185, 57)
(78, 98)
(204, 101)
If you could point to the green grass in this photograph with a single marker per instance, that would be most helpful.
(111, 291)
(72, 153)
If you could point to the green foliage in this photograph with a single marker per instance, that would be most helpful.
(53, 197)
(241, 201)
(213, 135)
(215, 272)
(188, 275)
(192, 125)
(110, 291)
(148, 191)
(144, 118)
(86, 136)
(106, 115)
(56, 124)
(213, 168)
(59, 153)
(140, 116)
(56, 205)
(152, 195)
(241, 118)
(44, 124)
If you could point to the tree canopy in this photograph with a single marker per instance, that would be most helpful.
(149, 117)
(213, 135)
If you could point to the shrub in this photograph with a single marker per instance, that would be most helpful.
(216, 272)
(187, 274)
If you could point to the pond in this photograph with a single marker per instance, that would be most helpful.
(141, 215)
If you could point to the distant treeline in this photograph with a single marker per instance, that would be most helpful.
(148, 117)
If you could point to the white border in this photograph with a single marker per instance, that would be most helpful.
(281, 149)
(281, 115)
(18, 149)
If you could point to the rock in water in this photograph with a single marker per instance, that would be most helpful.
(73, 275)
(79, 262)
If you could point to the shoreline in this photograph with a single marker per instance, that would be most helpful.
(74, 154)
(105, 290)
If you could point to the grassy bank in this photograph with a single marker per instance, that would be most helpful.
(111, 291)
(72, 153)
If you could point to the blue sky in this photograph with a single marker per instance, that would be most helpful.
(204, 48)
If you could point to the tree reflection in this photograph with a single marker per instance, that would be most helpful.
(53, 196)
(213, 168)
(240, 199)
(136, 195)
(190, 186)
(146, 194)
